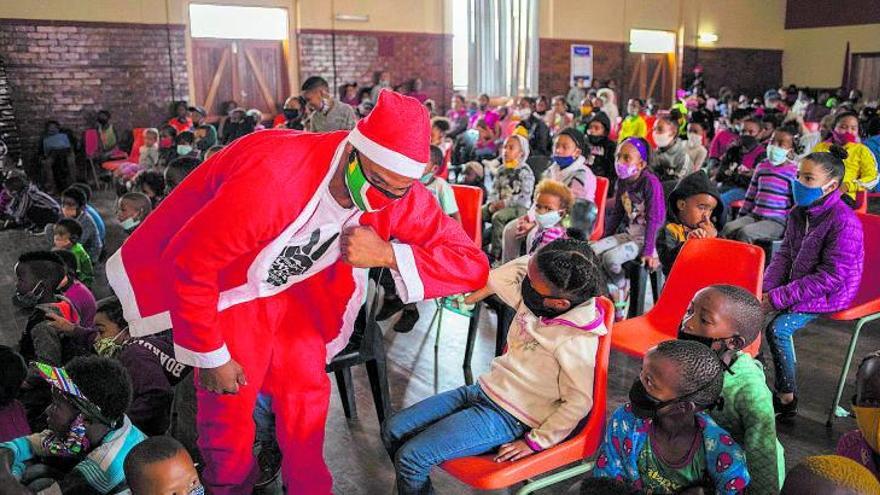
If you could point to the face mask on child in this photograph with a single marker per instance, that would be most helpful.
(843, 138)
(30, 299)
(73, 444)
(806, 195)
(548, 219)
(291, 113)
(535, 302)
(563, 161)
(365, 195)
(184, 149)
(108, 346)
(130, 223)
(625, 170)
(663, 140)
(427, 178)
(776, 155)
(645, 406)
(695, 139)
(868, 419)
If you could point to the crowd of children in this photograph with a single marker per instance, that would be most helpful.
(700, 416)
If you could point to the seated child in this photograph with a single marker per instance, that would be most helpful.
(535, 394)
(727, 319)
(152, 184)
(439, 128)
(486, 146)
(734, 172)
(634, 222)
(600, 149)
(768, 199)
(863, 445)
(512, 189)
(818, 268)
(159, 466)
(633, 125)
(133, 209)
(148, 158)
(860, 166)
(27, 206)
(694, 211)
(87, 429)
(671, 161)
(167, 148)
(13, 418)
(73, 204)
(558, 117)
(99, 221)
(663, 441)
(66, 235)
(71, 287)
(472, 175)
(543, 224)
(206, 137)
(570, 167)
(438, 186)
(829, 474)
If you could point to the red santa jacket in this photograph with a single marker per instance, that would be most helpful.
(208, 246)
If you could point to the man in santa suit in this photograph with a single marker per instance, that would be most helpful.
(259, 261)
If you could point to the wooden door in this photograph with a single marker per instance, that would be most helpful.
(250, 72)
(866, 75)
(650, 75)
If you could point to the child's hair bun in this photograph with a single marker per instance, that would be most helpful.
(838, 152)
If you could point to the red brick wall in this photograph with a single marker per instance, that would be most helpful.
(70, 70)
(360, 53)
(555, 64)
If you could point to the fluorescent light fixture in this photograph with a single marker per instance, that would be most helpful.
(353, 17)
(707, 38)
(233, 22)
(651, 41)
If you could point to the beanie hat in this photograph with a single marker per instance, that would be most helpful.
(395, 135)
(693, 184)
(523, 145)
(601, 118)
(576, 136)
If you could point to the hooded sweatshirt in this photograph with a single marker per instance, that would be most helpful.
(672, 162)
(577, 176)
(674, 234)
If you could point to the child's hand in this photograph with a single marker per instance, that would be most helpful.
(709, 229)
(523, 226)
(651, 262)
(697, 234)
(513, 451)
(58, 322)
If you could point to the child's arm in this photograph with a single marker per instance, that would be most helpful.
(504, 281)
(725, 462)
(754, 406)
(751, 192)
(655, 214)
(780, 264)
(610, 461)
(577, 362)
(867, 177)
(840, 265)
(615, 216)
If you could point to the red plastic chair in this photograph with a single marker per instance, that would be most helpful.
(866, 306)
(602, 185)
(483, 473)
(701, 263)
(133, 157)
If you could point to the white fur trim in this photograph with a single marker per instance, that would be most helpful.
(358, 299)
(121, 285)
(406, 278)
(212, 359)
(387, 158)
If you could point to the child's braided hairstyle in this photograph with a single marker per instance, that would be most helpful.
(701, 373)
(573, 268)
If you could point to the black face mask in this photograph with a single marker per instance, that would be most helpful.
(749, 142)
(645, 406)
(28, 300)
(706, 341)
(291, 113)
(103, 121)
(535, 301)
(595, 140)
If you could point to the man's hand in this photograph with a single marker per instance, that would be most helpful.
(651, 262)
(224, 379)
(58, 322)
(513, 451)
(362, 247)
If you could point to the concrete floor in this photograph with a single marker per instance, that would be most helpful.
(353, 450)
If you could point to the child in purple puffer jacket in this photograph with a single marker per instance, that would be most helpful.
(818, 268)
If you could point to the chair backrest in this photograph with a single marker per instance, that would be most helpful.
(602, 186)
(91, 142)
(861, 202)
(701, 263)
(592, 432)
(470, 202)
(137, 142)
(869, 289)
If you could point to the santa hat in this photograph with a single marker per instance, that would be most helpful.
(396, 134)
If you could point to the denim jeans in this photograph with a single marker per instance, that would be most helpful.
(779, 337)
(457, 423)
(264, 419)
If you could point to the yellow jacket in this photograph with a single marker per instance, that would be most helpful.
(861, 167)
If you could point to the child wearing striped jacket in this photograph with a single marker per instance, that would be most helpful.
(769, 197)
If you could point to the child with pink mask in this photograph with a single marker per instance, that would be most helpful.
(860, 165)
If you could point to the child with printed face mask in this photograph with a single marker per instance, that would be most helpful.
(160, 466)
(769, 197)
(818, 268)
(132, 209)
(633, 224)
(536, 393)
(66, 235)
(570, 167)
(512, 189)
(728, 319)
(863, 445)
(663, 441)
(543, 223)
(860, 165)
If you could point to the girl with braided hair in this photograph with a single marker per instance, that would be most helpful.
(663, 441)
(534, 395)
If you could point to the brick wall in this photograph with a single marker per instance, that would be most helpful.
(70, 70)
(555, 65)
(360, 53)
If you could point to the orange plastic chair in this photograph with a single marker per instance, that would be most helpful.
(701, 263)
(866, 306)
(602, 185)
(483, 473)
(133, 157)
(862, 198)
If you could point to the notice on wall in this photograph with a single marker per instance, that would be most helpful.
(581, 64)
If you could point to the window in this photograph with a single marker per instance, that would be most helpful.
(650, 41)
(460, 42)
(231, 22)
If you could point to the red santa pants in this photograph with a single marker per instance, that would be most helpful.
(279, 343)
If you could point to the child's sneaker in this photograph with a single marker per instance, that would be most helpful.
(785, 413)
(407, 320)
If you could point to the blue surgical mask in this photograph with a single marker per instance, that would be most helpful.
(427, 178)
(130, 223)
(776, 155)
(184, 149)
(563, 161)
(549, 219)
(805, 195)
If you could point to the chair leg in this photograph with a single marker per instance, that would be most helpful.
(473, 326)
(835, 409)
(439, 314)
(378, 374)
(546, 481)
(345, 385)
(505, 317)
(637, 290)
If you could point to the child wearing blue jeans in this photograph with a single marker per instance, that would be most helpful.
(818, 268)
(534, 395)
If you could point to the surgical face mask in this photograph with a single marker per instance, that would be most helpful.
(868, 420)
(738, 128)
(427, 178)
(511, 164)
(695, 139)
(776, 155)
(524, 113)
(594, 139)
(184, 149)
(586, 110)
(625, 170)
(29, 299)
(563, 161)
(535, 302)
(663, 140)
(130, 223)
(548, 219)
(806, 195)
(365, 195)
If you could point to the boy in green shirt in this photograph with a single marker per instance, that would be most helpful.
(66, 234)
(728, 318)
